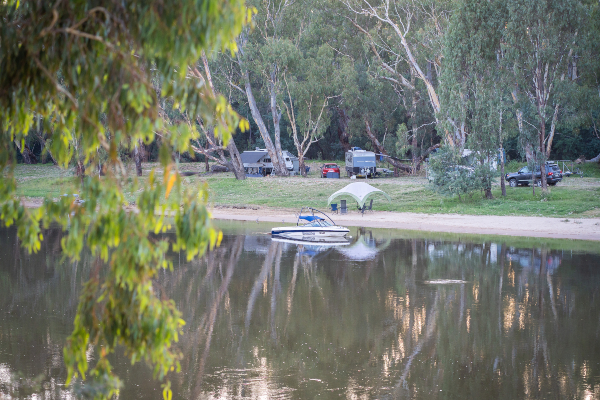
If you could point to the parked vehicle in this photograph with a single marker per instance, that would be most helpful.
(259, 162)
(524, 176)
(361, 163)
(329, 168)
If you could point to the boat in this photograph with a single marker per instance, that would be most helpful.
(311, 223)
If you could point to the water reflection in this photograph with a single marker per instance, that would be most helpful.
(375, 317)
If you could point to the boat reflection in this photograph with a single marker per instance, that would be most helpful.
(309, 246)
(325, 241)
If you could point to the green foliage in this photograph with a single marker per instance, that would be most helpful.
(451, 175)
(84, 71)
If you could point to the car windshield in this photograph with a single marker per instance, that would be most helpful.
(330, 166)
(524, 170)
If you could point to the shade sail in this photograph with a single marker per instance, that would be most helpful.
(359, 191)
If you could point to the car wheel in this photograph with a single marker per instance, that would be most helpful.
(512, 183)
(552, 184)
(538, 183)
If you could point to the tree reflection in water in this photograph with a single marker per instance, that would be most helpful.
(380, 317)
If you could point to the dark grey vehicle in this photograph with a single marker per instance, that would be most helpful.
(524, 176)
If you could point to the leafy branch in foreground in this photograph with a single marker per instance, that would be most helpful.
(85, 71)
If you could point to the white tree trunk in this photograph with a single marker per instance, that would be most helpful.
(276, 126)
(264, 132)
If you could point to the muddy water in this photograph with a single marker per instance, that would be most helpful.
(388, 315)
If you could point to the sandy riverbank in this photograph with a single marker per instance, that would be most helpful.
(542, 227)
(557, 228)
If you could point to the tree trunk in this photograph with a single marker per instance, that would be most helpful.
(343, 129)
(264, 133)
(502, 180)
(488, 193)
(413, 117)
(45, 148)
(276, 126)
(236, 165)
(137, 157)
(595, 159)
(301, 164)
(26, 153)
(543, 161)
(80, 170)
(552, 131)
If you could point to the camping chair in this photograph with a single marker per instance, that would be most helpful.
(343, 208)
(334, 208)
(366, 208)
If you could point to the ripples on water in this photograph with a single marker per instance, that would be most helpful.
(379, 317)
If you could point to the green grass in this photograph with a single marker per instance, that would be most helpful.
(573, 197)
(412, 195)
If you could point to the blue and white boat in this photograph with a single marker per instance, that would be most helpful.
(311, 223)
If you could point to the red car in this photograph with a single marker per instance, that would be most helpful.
(329, 168)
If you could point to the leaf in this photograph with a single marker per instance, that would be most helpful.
(170, 183)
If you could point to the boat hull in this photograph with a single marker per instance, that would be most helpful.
(300, 232)
(311, 241)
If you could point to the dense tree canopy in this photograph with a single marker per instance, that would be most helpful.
(389, 62)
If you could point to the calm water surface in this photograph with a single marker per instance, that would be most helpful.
(386, 316)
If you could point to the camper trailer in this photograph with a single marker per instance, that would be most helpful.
(361, 163)
(259, 162)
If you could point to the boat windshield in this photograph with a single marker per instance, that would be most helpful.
(319, 222)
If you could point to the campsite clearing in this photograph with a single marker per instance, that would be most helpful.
(573, 197)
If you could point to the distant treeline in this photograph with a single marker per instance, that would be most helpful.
(316, 77)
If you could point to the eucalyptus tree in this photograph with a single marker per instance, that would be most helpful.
(407, 38)
(585, 69)
(308, 92)
(257, 70)
(539, 38)
(88, 66)
(329, 27)
(215, 144)
(315, 81)
(474, 82)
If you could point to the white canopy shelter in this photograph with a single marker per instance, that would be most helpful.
(359, 191)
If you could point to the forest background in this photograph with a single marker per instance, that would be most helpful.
(398, 77)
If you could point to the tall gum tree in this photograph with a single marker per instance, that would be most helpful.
(538, 42)
(259, 66)
(309, 89)
(396, 34)
(474, 82)
(215, 148)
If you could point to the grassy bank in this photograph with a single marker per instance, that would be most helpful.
(573, 197)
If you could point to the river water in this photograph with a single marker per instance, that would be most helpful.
(391, 314)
